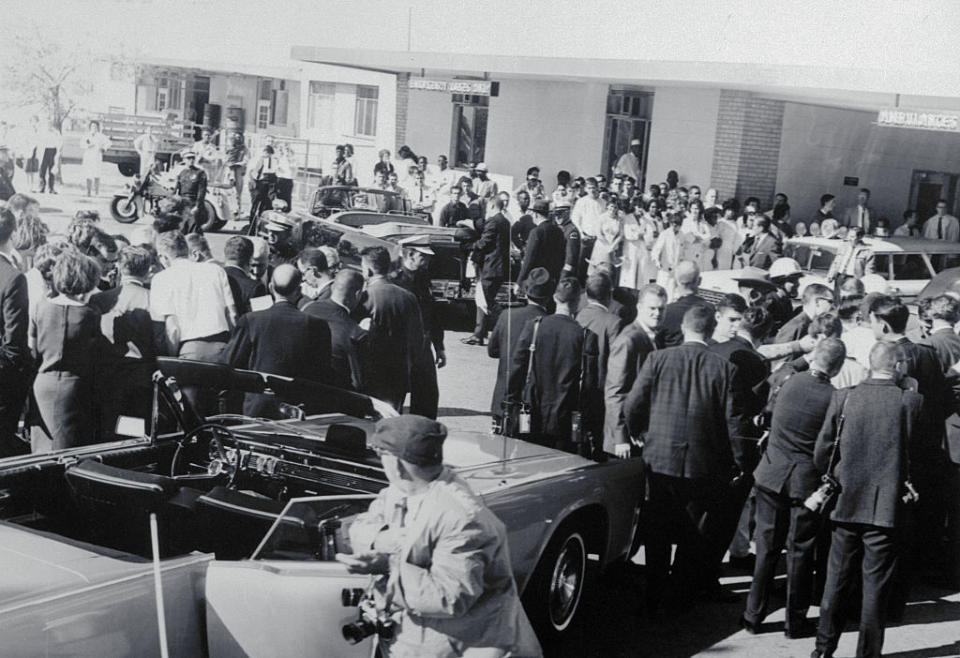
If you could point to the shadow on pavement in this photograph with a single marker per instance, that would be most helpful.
(929, 652)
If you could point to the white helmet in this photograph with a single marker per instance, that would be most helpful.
(784, 267)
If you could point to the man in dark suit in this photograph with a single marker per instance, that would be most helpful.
(280, 340)
(762, 247)
(544, 246)
(412, 274)
(817, 300)
(492, 251)
(572, 242)
(784, 479)
(554, 365)
(684, 404)
(944, 314)
(454, 211)
(503, 340)
(687, 276)
(627, 356)
(350, 345)
(874, 460)
(14, 354)
(597, 317)
(396, 329)
(237, 254)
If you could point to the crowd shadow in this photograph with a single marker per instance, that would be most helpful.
(929, 652)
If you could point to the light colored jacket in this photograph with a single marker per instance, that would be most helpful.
(450, 574)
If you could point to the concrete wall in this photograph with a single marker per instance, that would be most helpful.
(682, 133)
(821, 145)
(429, 123)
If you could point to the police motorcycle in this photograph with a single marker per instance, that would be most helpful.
(144, 196)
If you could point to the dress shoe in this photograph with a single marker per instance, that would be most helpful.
(749, 626)
(472, 340)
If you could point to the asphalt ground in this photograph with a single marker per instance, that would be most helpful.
(612, 620)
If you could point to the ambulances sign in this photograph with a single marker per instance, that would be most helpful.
(919, 120)
(467, 87)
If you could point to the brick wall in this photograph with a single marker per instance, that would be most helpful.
(403, 99)
(747, 146)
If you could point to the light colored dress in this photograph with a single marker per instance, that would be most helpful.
(608, 240)
(638, 267)
(94, 144)
(698, 249)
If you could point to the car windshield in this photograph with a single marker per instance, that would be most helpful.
(908, 267)
(336, 198)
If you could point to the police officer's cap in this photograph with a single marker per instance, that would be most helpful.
(189, 154)
(277, 221)
(541, 207)
(419, 243)
(539, 284)
(414, 439)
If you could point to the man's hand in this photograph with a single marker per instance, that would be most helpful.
(195, 210)
(807, 343)
(441, 359)
(621, 450)
(366, 563)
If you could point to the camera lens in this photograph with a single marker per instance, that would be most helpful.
(358, 632)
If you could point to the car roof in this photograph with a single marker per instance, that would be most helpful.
(880, 246)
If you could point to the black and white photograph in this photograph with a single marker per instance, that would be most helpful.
(480, 329)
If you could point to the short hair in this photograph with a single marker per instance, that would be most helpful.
(674, 217)
(196, 242)
(781, 194)
(314, 258)
(825, 199)
(694, 187)
(827, 325)
(865, 190)
(599, 286)
(908, 212)
(378, 257)
(383, 152)
(652, 289)
(923, 309)
(892, 311)
(333, 257)
(939, 201)
(75, 273)
(945, 307)
(763, 222)
(591, 181)
(165, 222)
(135, 261)
(830, 354)
(567, 291)
(752, 200)
(732, 302)
(347, 281)
(757, 321)
(172, 244)
(88, 214)
(849, 307)
(700, 319)
(563, 177)
(884, 356)
(731, 204)
(291, 285)
(686, 273)
(815, 290)
(8, 224)
(533, 170)
(239, 250)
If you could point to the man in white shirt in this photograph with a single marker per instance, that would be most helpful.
(146, 146)
(193, 301)
(942, 226)
(629, 163)
(859, 215)
(857, 338)
(421, 195)
(666, 252)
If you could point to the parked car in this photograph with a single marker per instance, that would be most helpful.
(250, 514)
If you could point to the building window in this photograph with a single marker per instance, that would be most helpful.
(320, 106)
(365, 116)
(168, 93)
(469, 129)
(628, 118)
(263, 115)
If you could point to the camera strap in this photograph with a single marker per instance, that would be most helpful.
(532, 349)
(834, 455)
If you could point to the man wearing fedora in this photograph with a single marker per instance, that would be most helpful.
(545, 246)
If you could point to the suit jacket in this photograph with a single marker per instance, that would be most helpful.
(946, 343)
(555, 386)
(764, 250)
(627, 356)
(283, 341)
(418, 283)
(685, 405)
(850, 216)
(545, 247)
(786, 466)
(125, 321)
(606, 325)
(923, 365)
(795, 328)
(571, 258)
(750, 383)
(350, 345)
(244, 288)
(502, 343)
(492, 250)
(877, 437)
(15, 321)
(673, 317)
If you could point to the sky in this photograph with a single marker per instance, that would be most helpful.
(915, 35)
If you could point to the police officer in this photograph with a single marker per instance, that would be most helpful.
(192, 187)
(438, 554)
(411, 274)
(571, 236)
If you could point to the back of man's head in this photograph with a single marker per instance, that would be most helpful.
(172, 244)
(687, 275)
(849, 308)
(377, 259)
(599, 287)
(827, 325)
(829, 355)
(884, 358)
(238, 251)
(946, 309)
(891, 311)
(757, 323)
(568, 293)
(285, 280)
(346, 288)
(198, 246)
(698, 323)
(135, 262)
(314, 258)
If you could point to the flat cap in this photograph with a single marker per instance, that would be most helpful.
(420, 243)
(412, 438)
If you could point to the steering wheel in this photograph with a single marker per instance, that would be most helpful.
(219, 460)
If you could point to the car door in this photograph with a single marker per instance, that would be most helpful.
(277, 605)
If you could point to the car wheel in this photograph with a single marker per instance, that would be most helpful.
(553, 595)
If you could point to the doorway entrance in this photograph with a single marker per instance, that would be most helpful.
(928, 187)
(199, 97)
(628, 118)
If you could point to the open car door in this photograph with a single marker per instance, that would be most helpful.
(288, 599)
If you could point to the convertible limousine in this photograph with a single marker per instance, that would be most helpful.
(250, 513)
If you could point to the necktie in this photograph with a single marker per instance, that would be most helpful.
(421, 193)
(940, 228)
(270, 164)
(400, 512)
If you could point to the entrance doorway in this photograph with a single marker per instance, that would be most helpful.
(199, 97)
(628, 118)
(928, 187)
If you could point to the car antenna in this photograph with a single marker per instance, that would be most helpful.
(158, 586)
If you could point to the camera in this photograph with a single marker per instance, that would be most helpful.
(370, 620)
(816, 501)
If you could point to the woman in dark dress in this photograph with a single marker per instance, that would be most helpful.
(66, 341)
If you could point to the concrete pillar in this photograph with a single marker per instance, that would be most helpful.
(403, 99)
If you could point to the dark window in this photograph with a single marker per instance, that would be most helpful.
(469, 128)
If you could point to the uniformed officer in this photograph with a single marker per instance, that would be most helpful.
(192, 187)
(571, 236)
(412, 274)
(439, 555)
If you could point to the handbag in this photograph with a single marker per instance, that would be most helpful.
(823, 498)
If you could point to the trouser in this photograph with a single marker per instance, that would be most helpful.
(953, 522)
(204, 401)
(193, 223)
(424, 392)
(285, 191)
(685, 509)
(879, 550)
(782, 522)
(262, 199)
(740, 544)
(238, 173)
(486, 321)
(14, 384)
(46, 169)
(586, 250)
(146, 162)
